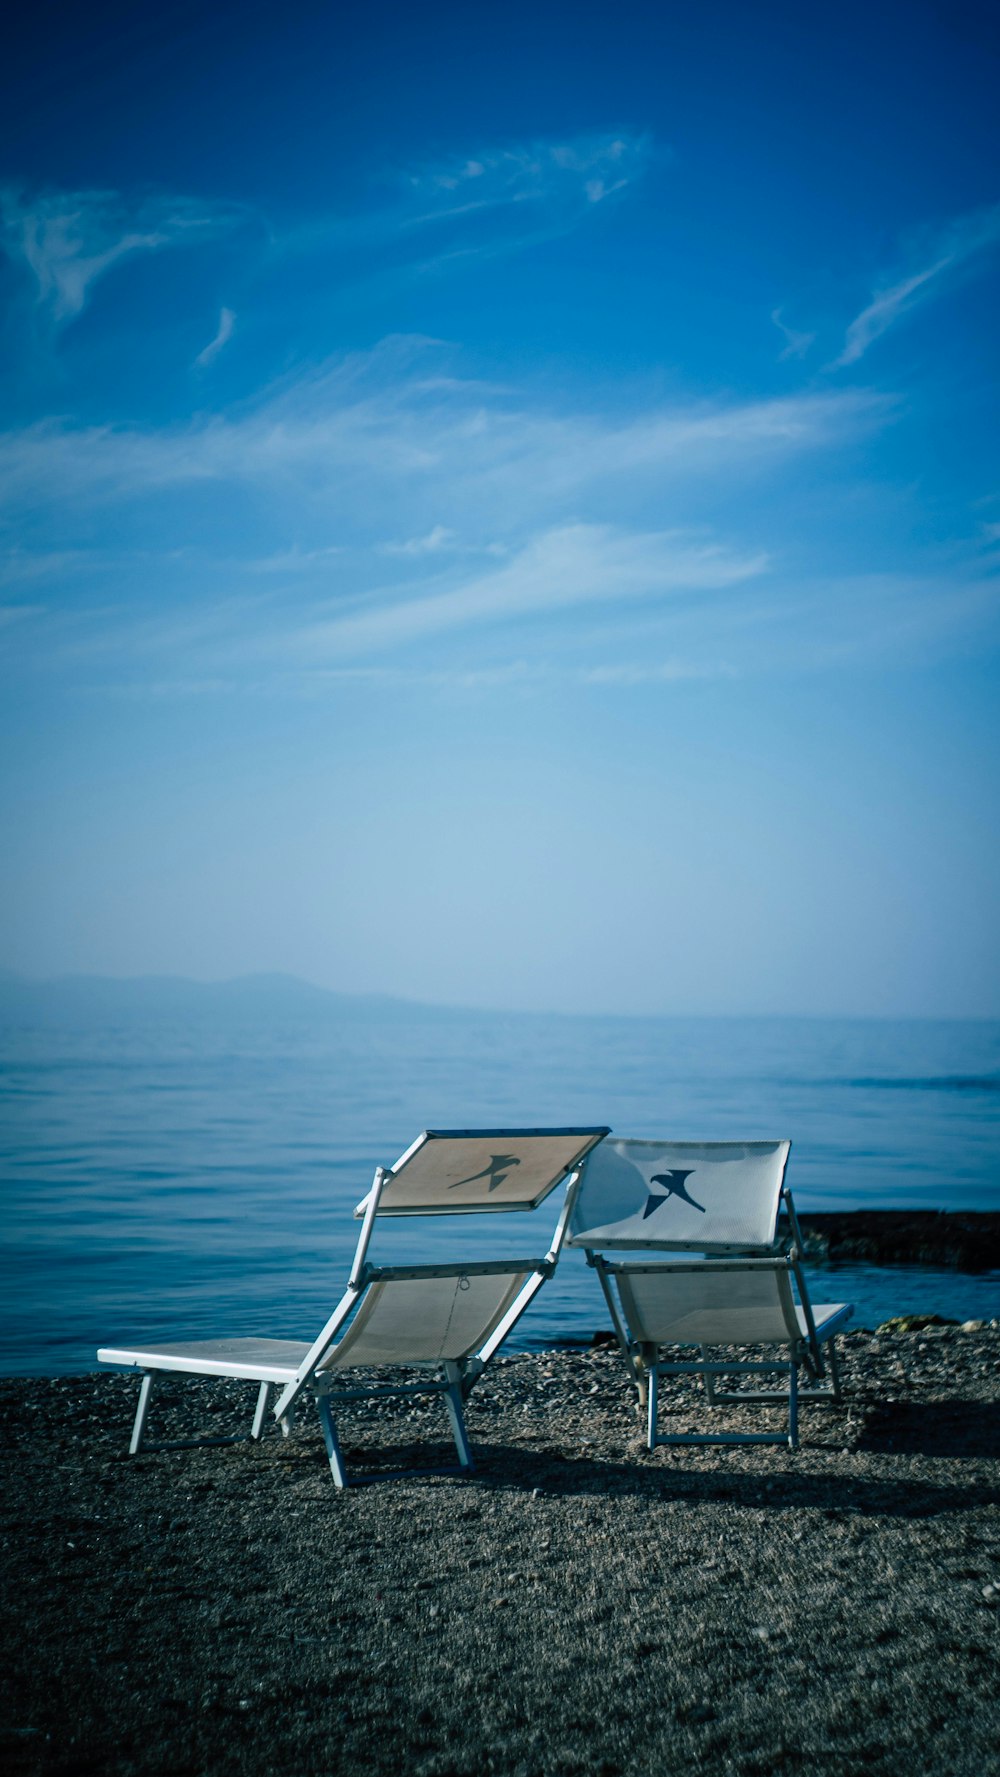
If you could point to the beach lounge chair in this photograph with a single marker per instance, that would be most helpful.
(445, 1319)
(720, 1199)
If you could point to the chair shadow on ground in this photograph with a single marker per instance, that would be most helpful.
(506, 1468)
(950, 1428)
(778, 1491)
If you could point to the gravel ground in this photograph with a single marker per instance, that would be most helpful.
(576, 1606)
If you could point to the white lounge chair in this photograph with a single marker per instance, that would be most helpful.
(720, 1199)
(446, 1318)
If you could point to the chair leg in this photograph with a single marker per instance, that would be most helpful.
(708, 1379)
(453, 1402)
(831, 1349)
(333, 1451)
(139, 1425)
(138, 1440)
(793, 1405)
(653, 1374)
(641, 1388)
(263, 1402)
(288, 1422)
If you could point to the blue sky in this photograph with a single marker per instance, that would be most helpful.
(504, 506)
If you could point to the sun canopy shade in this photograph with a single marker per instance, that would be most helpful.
(449, 1170)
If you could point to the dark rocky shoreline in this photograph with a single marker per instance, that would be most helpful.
(577, 1608)
(968, 1240)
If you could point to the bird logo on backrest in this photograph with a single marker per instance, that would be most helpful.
(674, 1186)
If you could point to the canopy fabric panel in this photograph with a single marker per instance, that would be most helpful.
(689, 1196)
(425, 1320)
(668, 1305)
(484, 1169)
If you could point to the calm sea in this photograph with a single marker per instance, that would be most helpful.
(171, 1178)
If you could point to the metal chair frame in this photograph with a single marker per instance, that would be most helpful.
(806, 1348)
(453, 1379)
(646, 1366)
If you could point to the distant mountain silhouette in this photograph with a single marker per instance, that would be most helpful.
(86, 999)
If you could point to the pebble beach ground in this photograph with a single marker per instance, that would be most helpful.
(576, 1606)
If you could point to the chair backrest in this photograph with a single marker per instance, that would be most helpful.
(711, 1197)
(427, 1319)
(695, 1304)
(437, 1311)
(472, 1171)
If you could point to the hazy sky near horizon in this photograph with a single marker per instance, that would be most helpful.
(502, 505)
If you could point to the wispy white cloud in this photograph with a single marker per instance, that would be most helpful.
(19, 564)
(933, 255)
(474, 492)
(509, 199)
(67, 241)
(989, 541)
(224, 333)
(655, 672)
(495, 202)
(440, 540)
(886, 307)
(508, 675)
(571, 569)
(785, 623)
(890, 618)
(573, 565)
(602, 606)
(11, 614)
(360, 434)
(434, 542)
(662, 620)
(796, 344)
(589, 168)
(294, 561)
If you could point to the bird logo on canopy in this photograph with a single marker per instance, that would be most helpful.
(494, 1173)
